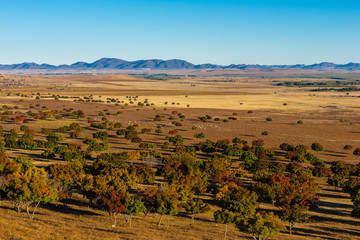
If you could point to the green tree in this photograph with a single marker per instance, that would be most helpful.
(225, 217)
(195, 206)
(133, 207)
(261, 224)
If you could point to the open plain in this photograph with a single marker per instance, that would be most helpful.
(239, 106)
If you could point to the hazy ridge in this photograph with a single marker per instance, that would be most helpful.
(158, 64)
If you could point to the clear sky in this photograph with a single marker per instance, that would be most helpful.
(200, 31)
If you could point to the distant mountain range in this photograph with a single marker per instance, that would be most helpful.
(156, 64)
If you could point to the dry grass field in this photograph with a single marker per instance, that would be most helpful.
(330, 118)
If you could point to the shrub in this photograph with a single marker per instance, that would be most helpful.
(24, 128)
(258, 142)
(317, 147)
(130, 134)
(136, 140)
(320, 171)
(146, 130)
(166, 146)
(98, 146)
(268, 119)
(286, 147)
(173, 132)
(357, 151)
(55, 137)
(300, 122)
(265, 133)
(121, 132)
(74, 134)
(199, 135)
(348, 147)
(103, 136)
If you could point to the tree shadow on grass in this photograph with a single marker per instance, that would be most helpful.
(335, 220)
(296, 231)
(62, 208)
(355, 232)
(114, 230)
(334, 155)
(322, 203)
(196, 218)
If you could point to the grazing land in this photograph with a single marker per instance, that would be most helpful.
(259, 111)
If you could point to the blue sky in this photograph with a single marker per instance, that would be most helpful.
(220, 32)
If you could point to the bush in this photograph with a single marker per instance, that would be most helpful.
(165, 146)
(136, 140)
(173, 132)
(317, 147)
(320, 171)
(357, 151)
(286, 147)
(130, 134)
(268, 119)
(146, 130)
(74, 134)
(300, 122)
(265, 133)
(103, 136)
(121, 132)
(258, 142)
(55, 137)
(348, 147)
(23, 128)
(98, 146)
(199, 135)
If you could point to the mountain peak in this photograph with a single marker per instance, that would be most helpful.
(171, 64)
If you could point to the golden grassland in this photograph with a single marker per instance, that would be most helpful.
(330, 118)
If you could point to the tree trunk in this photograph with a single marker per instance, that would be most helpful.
(31, 215)
(225, 231)
(192, 219)
(36, 205)
(160, 220)
(114, 215)
(28, 211)
(18, 207)
(130, 217)
(290, 228)
(167, 218)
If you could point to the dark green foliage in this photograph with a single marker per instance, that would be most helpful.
(348, 147)
(176, 140)
(199, 135)
(195, 206)
(103, 136)
(286, 147)
(24, 128)
(261, 224)
(317, 147)
(357, 151)
(130, 134)
(53, 137)
(144, 173)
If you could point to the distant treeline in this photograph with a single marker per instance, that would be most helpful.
(345, 89)
(161, 77)
(319, 84)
